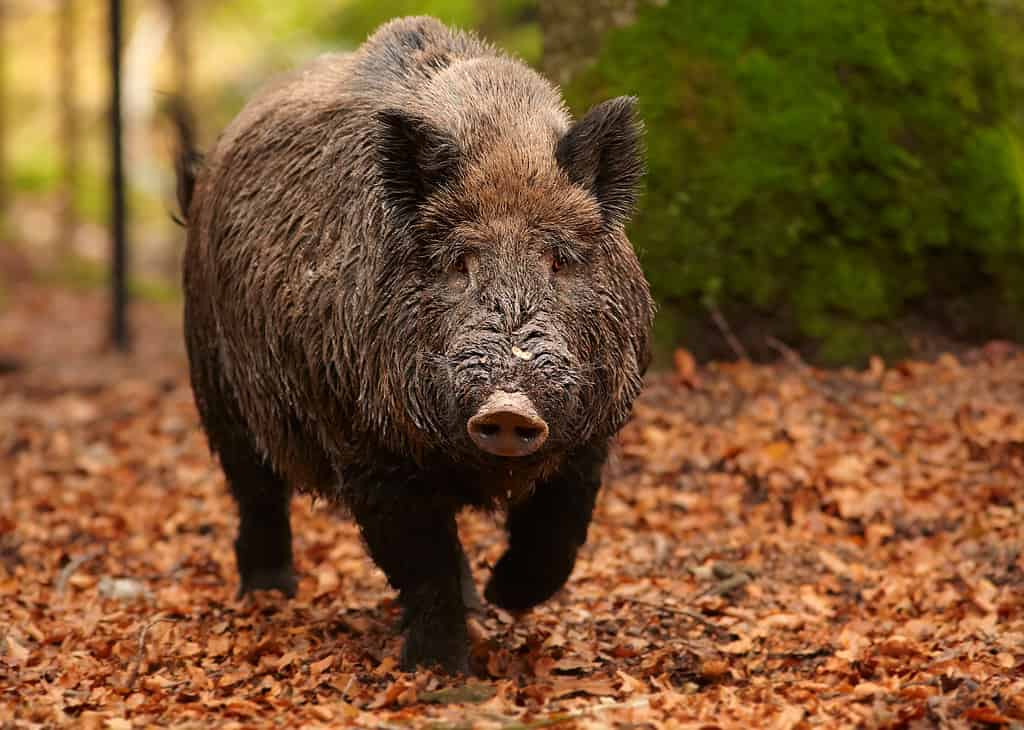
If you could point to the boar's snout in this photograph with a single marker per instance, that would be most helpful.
(507, 424)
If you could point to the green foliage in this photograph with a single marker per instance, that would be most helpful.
(833, 162)
(34, 171)
(511, 24)
(37, 170)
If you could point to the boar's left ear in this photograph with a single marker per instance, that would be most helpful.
(414, 158)
(603, 152)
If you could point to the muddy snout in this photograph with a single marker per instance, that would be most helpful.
(507, 424)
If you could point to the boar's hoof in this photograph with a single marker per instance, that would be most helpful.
(283, 580)
(508, 425)
(518, 585)
(449, 652)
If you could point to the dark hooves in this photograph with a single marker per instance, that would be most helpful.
(283, 580)
(436, 646)
(449, 659)
(517, 586)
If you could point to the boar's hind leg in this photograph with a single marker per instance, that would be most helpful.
(415, 542)
(263, 548)
(545, 531)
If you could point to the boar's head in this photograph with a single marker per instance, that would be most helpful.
(532, 315)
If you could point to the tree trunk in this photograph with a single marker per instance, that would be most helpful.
(67, 84)
(572, 31)
(4, 88)
(119, 246)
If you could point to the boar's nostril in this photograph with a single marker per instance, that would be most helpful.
(508, 425)
(527, 433)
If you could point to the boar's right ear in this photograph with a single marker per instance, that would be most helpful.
(603, 153)
(414, 158)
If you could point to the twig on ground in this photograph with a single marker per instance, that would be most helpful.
(728, 583)
(69, 570)
(140, 652)
(727, 332)
(794, 359)
(699, 618)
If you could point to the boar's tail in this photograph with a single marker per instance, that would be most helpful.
(188, 160)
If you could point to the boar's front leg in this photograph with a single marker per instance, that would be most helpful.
(545, 531)
(413, 537)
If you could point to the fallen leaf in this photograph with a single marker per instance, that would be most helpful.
(630, 684)
(987, 715)
(11, 648)
(602, 687)
(317, 668)
(686, 367)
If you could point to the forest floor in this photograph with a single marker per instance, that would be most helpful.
(776, 546)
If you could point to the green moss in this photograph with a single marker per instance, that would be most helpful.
(822, 159)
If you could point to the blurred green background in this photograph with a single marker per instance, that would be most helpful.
(844, 175)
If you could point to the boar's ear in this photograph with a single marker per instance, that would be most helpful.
(603, 152)
(414, 158)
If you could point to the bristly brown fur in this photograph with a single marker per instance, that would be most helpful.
(368, 243)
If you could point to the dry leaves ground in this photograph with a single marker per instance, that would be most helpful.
(776, 547)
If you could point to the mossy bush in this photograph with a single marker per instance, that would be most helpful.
(832, 164)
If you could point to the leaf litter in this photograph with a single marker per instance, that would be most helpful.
(776, 546)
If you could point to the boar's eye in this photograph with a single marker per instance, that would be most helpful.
(462, 266)
(555, 262)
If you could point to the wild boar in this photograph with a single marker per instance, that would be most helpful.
(408, 289)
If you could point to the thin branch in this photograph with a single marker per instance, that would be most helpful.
(69, 570)
(141, 650)
(727, 332)
(791, 355)
(699, 618)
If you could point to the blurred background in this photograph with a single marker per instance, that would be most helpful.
(846, 176)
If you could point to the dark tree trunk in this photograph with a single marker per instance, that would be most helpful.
(67, 83)
(119, 246)
(4, 182)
